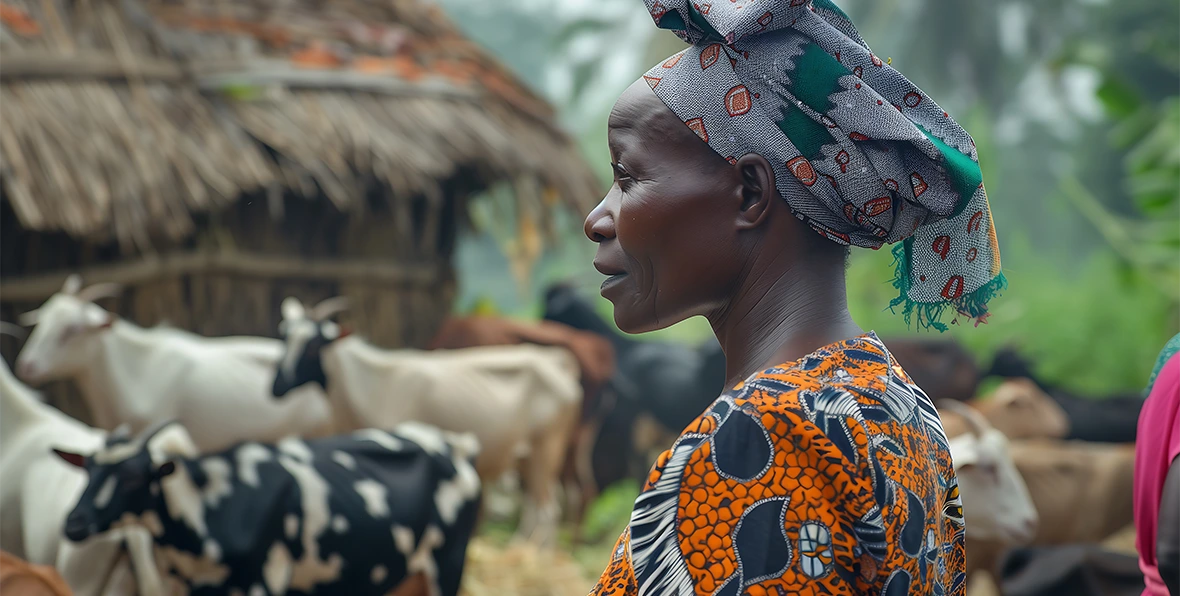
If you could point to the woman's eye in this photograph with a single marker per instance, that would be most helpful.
(620, 172)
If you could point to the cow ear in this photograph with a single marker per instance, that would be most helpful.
(97, 319)
(73, 459)
(330, 330)
(964, 451)
(292, 309)
(165, 469)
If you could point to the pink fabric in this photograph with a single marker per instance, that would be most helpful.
(1157, 443)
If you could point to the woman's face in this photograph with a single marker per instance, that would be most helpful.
(665, 232)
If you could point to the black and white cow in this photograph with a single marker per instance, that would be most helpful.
(353, 514)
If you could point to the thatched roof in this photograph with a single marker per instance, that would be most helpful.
(127, 117)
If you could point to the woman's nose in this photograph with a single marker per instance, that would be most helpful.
(600, 224)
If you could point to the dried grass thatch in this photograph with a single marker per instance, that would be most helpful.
(217, 156)
(127, 117)
(520, 570)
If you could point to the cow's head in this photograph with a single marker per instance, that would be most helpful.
(565, 305)
(65, 332)
(305, 334)
(1020, 410)
(125, 476)
(995, 499)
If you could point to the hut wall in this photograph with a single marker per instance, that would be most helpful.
(391, 310)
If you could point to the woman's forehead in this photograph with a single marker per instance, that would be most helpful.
(640, 117)
(639, 110)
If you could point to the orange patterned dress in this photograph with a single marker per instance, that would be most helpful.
(828, 475)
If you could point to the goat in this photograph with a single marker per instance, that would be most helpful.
(997, 508)
(596, 362)
(507, 396)
(38, 492)
(127, 374)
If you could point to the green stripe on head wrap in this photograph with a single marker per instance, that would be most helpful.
(963, 171)
(860, 153)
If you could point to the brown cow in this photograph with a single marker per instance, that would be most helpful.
(596, 360)
(941, 367)
(1082, 490)
(1020, 410)
(18, 576)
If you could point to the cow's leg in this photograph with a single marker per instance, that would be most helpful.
(451, 557)
(414, 585)
(541, 511)
(143, 562)
(583, 469)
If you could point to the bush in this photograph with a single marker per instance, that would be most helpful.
(1095, 330)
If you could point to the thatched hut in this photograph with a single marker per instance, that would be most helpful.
(215, 157)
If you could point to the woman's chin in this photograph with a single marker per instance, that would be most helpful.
(632, 322)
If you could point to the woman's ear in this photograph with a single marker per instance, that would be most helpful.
(758, 191)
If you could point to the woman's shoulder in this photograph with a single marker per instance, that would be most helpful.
(856, 367)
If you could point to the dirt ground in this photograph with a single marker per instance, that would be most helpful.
(498, 569)
(521, 570)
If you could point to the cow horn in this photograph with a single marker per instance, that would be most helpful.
(329, 308)
(72, 284)
(151, 432)
(99, 291)
(123, 431)
(13, 330)
(979, 425)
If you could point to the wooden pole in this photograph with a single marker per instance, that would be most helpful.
(33, 288)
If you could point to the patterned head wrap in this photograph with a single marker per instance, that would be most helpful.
(860, 153)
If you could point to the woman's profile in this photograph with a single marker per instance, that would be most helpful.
(745, 167)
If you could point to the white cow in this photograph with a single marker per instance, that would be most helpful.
(217, 387)
(512, 398)
(997, 507)
(38, 491)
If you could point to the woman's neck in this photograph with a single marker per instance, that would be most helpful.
(778, 319)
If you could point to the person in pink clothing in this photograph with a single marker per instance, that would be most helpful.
(1157, 482)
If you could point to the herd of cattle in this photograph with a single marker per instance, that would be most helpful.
(320, 463)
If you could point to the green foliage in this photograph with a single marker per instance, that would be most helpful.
(1095, 331)
(1153, 163)
(611, 511)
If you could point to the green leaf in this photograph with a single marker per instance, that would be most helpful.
(241, 91)
(1119, 99)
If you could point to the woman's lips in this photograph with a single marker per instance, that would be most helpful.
(614, 275)
(608, 270)
(611, 281)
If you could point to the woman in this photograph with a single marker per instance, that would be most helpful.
(1157, 477)
(823, 470)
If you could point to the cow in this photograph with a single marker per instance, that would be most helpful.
(20, 577)
(38, 491)
(352, 514)
(1082, 490)
(996, 504)
(1100, 419)
(942, 368)
(510, 397)
(671, 383)
(1020, 410)
(217, 387)
(596, 362)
